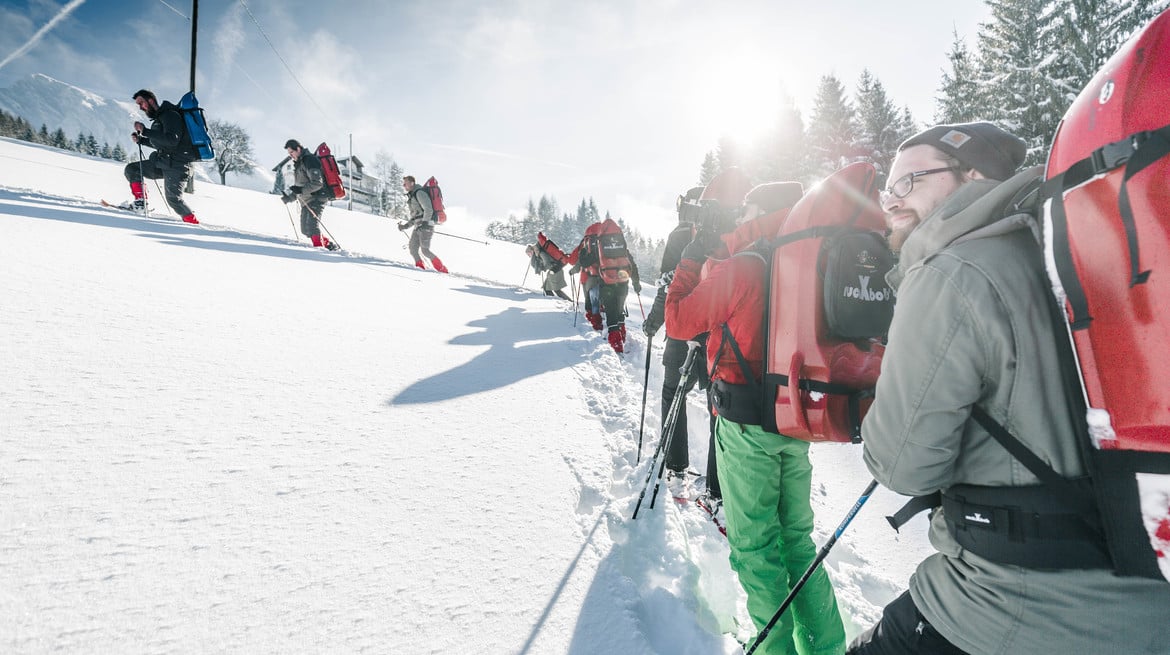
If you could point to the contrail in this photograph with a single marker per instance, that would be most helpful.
(62, 15)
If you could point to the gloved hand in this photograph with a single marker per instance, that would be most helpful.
(637, 285)
(296, 189)
(701, 246)
(288, 197)
(540, 238)
(403, 226)
(657, 314)
(575, 269)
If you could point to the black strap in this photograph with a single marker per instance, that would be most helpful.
(912, 508)
(743, 365)
(1136, 152)
(1074, 496)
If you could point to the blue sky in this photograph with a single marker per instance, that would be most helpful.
(613, 99)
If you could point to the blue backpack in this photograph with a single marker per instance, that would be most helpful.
(196, 127)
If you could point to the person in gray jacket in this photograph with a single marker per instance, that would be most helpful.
(551, 271)
(973, 331)
(308, 189)
(418, 203)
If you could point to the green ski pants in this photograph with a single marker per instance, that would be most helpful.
(767, 482)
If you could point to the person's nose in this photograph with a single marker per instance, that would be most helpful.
(890, 203)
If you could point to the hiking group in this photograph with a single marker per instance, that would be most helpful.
(178, 135)
(607, 270)
(1044, 469)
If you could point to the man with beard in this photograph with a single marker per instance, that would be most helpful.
(172, 156)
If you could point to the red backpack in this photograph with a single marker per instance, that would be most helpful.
(613, 257)
(436, 196)
(334, 190)
(1106, 222)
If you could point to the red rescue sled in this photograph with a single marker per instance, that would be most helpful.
(1106, 216)
(802, 356)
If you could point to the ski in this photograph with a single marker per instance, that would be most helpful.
(712, 512)
(126, 207)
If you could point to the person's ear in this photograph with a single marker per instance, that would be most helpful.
(973, 175)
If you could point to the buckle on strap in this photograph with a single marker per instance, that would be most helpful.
(1112, 155)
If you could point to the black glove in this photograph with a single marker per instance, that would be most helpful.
(403, 226)
(637, 285)
(701, 246)
(657, 314)
(288, 197)
(296, 189)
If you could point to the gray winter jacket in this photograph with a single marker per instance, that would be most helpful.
(972, 326)
(310, 177)
(418, 202)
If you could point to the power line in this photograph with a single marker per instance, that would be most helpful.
(286, 66)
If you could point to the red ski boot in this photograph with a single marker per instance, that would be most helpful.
(438, 265)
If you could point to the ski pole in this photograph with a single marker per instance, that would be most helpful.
(821, 555)
(525, 280)
(645, 386)
(456, 236)
(576, 295)
(641, 307)
(296, 235)
(671, 417)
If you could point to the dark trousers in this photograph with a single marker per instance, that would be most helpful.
(310, 215)
(173, 174)
(902, 631)
(674, 355)
(613, 303)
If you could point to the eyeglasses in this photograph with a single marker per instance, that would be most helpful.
(905, 184)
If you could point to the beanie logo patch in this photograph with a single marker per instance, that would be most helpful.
(955, 139)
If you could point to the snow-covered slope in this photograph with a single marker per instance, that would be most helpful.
(215, 438)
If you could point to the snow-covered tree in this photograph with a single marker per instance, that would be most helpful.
(782, 152)
(233, 149)
(709, 169)
(878, 124)
(959, 99)
(390, 197)
(1019, 54)
(119, 153)
(832, 130)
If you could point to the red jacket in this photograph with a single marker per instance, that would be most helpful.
(732, 293)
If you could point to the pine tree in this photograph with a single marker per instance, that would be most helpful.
(1132, 16)
(59, 140)
(119, 153)
(709, 169)
(106, 153)
(91, 145)
(832, 128)
(43, 135)
(728, 154)
(878, 125)
(1016, 50)
(959, 99)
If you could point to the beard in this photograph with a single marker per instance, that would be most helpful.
(151, 112)
(897, 236)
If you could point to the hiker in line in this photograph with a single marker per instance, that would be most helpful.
(310, 191)
(674, 353)
(552, 272)
(972, 328)
(608, 271)
(172, 156)
(422, 219)
(766, 477)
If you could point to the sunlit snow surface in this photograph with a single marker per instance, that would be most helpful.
(216, 438)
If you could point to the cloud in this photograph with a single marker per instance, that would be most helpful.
(228, 41)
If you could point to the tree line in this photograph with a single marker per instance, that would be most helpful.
(19, 128)
(1030, 61)
(566, 229)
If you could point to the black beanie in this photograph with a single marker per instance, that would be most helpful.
(292, 143)
(982, 146)
(694, 193)
(774, 196)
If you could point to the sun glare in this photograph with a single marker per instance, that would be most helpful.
(738, 94)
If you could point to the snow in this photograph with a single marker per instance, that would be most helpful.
(216, 438)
